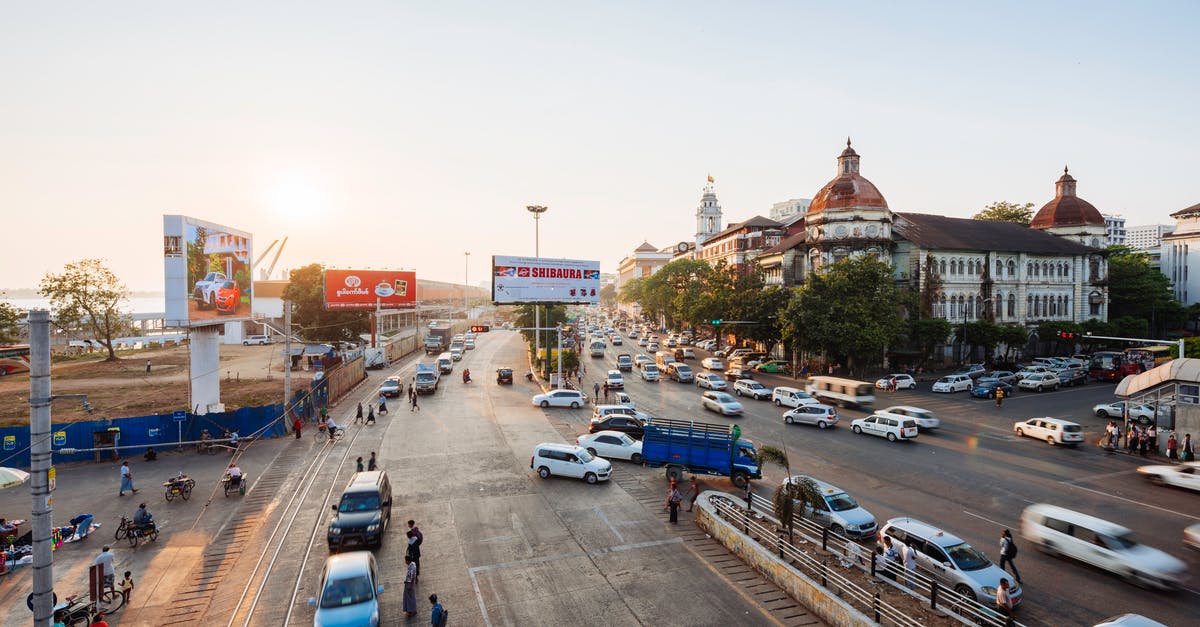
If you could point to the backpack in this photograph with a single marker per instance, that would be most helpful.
(445, 618)
(1012, 549)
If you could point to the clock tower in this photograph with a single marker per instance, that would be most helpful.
(848, 217)
(708, 214)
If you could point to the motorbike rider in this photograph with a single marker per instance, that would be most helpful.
(331, 427)
(142, 518)
(466, 375)
(235, 474)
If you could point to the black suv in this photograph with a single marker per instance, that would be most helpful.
(625, 423)
(364, 512)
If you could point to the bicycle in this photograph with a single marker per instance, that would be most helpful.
(322, 432)
(77, 610)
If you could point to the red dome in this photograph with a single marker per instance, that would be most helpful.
(1066, 209)
(849, 189)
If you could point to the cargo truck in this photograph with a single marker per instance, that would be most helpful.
(426, 379)
(438, 340)
(625, 362)
(700, 448)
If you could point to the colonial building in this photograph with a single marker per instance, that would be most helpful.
(1181, 252)
(644, 261)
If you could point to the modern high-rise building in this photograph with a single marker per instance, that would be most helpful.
(1146, 236)
(788, 208)
(1115, 225)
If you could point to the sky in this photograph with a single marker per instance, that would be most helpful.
(405, 134)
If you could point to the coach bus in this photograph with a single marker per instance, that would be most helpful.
(1112, 366)
(14, 359)
(1149, 356)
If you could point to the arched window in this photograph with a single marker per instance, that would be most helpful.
(1065, 305)
(970, 305)
(979, 307)
(1037, 306)
(999, 268)
(942, 270)
(941, 307)
(1053, 305)
(998, 305)
(1066, 271)
(1028, 269)
(970, 266)
(961, 267)
(1029, 312)
(1012, 268)
(1045, 269)
(1012, 305)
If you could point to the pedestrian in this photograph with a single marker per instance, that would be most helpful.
(105, 559)
(410, 587)
(999, 396)
(673, 500)
(1131, 439)
(1172, 447)
(382, 401)
(693, 493)
(1152, 439)
(416, 531)
(749, 496)
(804, 371)
(595, 390)
(60, 619)
(1003, 601)
(413, 550)
(126, 587)
(606, 392)
(881, 563)
(147, 366)
(1008, 551)
(415, 406)
(383, 406)
(126, 480)
(358, 416)
(371, 464)
(1144, 442)
(370, 413)
(910, 566)
(438, 616)
(1187, 452)
(891, 555)
(296, 426)
(99, 621)
(583, 367)
(359, 466)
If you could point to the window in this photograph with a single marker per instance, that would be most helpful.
(961, 267)
(1053, 306)
(979, 307)
(942, 267)
(941, 307)
(970, 311)
(970, 266)
(1012, 268)
(1012, 305)
(1189, 393)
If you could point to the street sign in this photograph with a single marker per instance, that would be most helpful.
(179, 416)
(52, 475)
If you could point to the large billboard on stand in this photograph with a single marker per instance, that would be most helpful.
(364, 289)
(207, 272)
(518, 280)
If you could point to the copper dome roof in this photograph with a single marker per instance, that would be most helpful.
(849, 189)
(1066, 209)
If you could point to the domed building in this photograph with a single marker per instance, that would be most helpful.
(1070, 216)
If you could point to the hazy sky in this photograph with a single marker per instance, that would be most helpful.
(403, 134)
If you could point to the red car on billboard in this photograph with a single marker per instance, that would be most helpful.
(228, 297)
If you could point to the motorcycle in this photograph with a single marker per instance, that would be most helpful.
(133, 532)
(466, 376)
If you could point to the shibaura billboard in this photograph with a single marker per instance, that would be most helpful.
(517, 280)
(364, 289)
(207, 272)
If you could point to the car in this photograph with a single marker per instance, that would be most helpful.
(896, 382)
(469, 344)
(886, 427)
(688, 354)
(363, 513)
(1142, 413)
(252, 340)
(650, 372)
(1100, 543)
(955, 564)
(1052, 430)
(611, 445)
(924, 417)
(1030, 371)
(391, 387)
(710, 381)
(566, 460)
(456, 353)
(722, 403)
(641, 360)
(1040, 382)
(204, 292)
(228, 296)
(1003, 376)
(625, 362)
(712, 363)
(622, 398)
(617, 341)
(504, 376)
(1185, 475)
(784, 396)
(643, 341)
(680, 372)
(707, 345)
(752, 388)
(838, 510)
(1128, 620)
(953, 383)
(820, 415)
(1191, 536)
(1071, 377)
(1048, 362)
(350, 587)
(774, 366)
(985, 388)
(737, 374)
(672, 342)
(614, 380)
(652, 347)
(560, 398)
(625, 423)
(974, 370)
(633, 335)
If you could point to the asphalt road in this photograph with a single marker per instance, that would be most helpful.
(972, 477)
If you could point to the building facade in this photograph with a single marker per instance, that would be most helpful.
(788, 208)
(1180, 252)
(1146, 236)
(644, 261)
(1115, 226)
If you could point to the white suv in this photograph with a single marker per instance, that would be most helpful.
(256, 339)
(891, 427)
(568, 461)
(791, 397)
(1052, 430)
(953, 383)
(1041, 382)
(751, 388)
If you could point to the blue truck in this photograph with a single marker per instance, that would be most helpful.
(700, 448)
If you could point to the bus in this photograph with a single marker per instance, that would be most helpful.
(14, 359)
(844, 392)
(1149, 356)
(1112, 366)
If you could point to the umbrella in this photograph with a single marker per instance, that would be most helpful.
(10, 477)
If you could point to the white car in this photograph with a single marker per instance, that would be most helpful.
(643, 342)
(1185, 475)
(256, 339)
(953, 383)
(569, 461)
(752, 388)
(924, 417)
(710, 381)
(1031, 370)
(650, 372)
(611, 445)
(792, 397)
(1040, 381)
(561, 398)
(616, 340)
(886, 427)
(622, 398)
(721, 403)
(896, 381)
(1141, 413)
(615, 380)
(641, 360)
(712, 363)
(820, 415)
(1052, 430)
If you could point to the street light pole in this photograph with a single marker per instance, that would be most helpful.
(39, 438)
(537, 211)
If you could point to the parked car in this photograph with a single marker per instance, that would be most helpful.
(896, 382)
(1003, 376)
(953, 563)
(886, 427)
(974, 370)
(1185, 475)
(350, 587)
(985, 388)
(820, 415)
(737, 374)
(550, 458)
(774, 366)
(953, 383)
(710, 380)
(1031, 370)
(1052, 430)
(838, 510)
(923, 417)
(1071, 377)
(1100, 543)
(257, 339)
(721, 403)
(1141, 413)
(752, 388)
(1040, 382)
(624, 422)
(611, 445)
(561, 398)
(712, 363)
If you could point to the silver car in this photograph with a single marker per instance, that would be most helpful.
(820, 415)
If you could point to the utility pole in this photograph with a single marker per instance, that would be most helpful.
(537, 211)
(466, 284)
(287, 358)
(39, 438)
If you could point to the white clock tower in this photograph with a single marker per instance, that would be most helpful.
(708, 214)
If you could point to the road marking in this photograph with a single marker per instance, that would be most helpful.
(1103, 476)
(994, 522)
(1161, 509)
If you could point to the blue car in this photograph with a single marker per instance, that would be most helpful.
(350, 589)
(987, 389)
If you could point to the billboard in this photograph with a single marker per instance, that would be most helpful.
(206, 268)
(361, 289)
(517, 280)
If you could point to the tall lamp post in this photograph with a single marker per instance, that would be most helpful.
(537, 211)
(466, 283)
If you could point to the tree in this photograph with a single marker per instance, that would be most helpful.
(1014, 337)
(1137, 289)
(764, 306)
(981, 333)
(9, 317)
(550, 316)
(306, 292)
(1050, 332)
(925, 333)
(608, 295)
(87, 295)
(1004, 211)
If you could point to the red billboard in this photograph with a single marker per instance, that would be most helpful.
(364, 289)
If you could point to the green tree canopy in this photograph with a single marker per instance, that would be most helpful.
(9, 316)
(306, 292)
(1004, 211)
(1138, 290)
(925, 333)
(87, 295)
(608, 295)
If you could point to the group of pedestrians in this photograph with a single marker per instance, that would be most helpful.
(412, 575)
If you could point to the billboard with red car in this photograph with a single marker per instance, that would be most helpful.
(364, 289)
(207, 272)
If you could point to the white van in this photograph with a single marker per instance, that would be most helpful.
(445, 363)
(663, 358)
(791, 397)
(953, 383)
(568, 461)
(1103, 544)
(844, 392)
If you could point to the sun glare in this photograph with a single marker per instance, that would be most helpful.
(296, 198)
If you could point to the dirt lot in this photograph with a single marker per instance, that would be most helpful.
(250, 375)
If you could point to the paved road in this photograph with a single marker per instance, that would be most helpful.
(973, 477)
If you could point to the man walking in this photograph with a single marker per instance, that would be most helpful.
(126, 480)
(438, 616)
(595, 390)
(1003, 600)
(371, 465)
(415, 406)
(1187, 452)
(910, 566)
(673, 500)
(1008, 550)
(105, 559)
(358, 416)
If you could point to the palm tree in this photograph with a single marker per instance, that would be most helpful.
(786, 495)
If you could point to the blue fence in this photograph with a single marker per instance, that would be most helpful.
(160, 431)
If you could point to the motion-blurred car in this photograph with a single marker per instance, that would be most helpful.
(560, 398)
(1185, 475)
(737, 374)
(775, 366)
(721, 403)
(710, 380)
(820, 415)
(896, 382)
(924, 417)
(752, 388)
(1070, 377)
(712, 363)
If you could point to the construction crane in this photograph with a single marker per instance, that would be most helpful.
(274, 260)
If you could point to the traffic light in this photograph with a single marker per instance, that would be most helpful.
(480, 329)
(1066, 335)
(716, 322)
